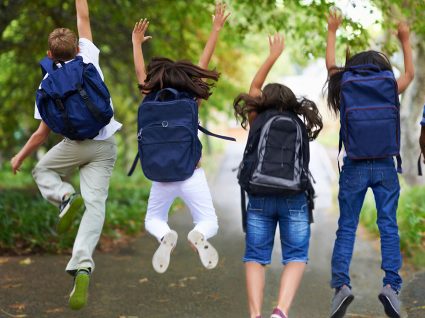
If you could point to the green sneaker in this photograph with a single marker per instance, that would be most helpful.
(78, 296)
(70, 206)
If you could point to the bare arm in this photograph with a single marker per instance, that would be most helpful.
(277, 44)
(138, 38)
(219, 18)
(409, 71)
(36, 139)
(334, 21)
(83, 20)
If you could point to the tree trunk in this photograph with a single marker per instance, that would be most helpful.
(411, 111)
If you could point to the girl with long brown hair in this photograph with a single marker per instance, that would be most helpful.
(190, 81)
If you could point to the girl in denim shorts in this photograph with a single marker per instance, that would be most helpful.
(265, 212)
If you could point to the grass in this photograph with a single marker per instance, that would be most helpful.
(27, 221)
(411, 222)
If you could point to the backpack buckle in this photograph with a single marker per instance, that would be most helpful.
(165, 123)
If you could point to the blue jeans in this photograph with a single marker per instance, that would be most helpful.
(356, 177)
(263, 215)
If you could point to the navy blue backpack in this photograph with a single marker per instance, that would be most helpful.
(370, 114)
(169, 147)
(73, 100)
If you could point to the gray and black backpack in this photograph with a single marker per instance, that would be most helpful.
(276, 157)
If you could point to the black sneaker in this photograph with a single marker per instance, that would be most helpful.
(70, 206)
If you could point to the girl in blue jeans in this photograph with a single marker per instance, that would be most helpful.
(265, 212)
(357, 176)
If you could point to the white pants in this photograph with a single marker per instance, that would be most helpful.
(194, 192)
(95, 159)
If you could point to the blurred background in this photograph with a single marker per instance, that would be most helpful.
(180, 30)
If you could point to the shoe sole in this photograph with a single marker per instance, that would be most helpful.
(207, 253)
(388, 307)
(161, 258)
(78, 296)
(340, 311)
(67, 216)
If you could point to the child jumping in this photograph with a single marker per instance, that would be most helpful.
(184, 79)
(274, 172)
(94, 157)
(365, 93)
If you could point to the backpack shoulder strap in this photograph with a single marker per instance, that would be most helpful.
(133, 166)
(47, 66)
(243, 209)
(209, 133)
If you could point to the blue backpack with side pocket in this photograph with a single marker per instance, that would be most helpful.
(370, 114)
(73, 100)
(169, 147)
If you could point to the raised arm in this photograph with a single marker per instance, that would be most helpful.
(138, 38)
(277, 44)
(409, 71)
(83, 20)
(36, 139)
(334, 21)
(219, 18)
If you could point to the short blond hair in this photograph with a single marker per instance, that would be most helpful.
(63, 44)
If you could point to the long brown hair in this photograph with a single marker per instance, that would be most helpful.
(180, 75)
(279, 97)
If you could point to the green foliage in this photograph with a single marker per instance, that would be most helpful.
(27, 221)
(179, 31)
(411, 222)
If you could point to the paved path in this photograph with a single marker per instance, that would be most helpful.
(125, 286)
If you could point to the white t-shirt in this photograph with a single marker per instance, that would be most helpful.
(90, 54)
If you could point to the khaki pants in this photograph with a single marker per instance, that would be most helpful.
(95, 159)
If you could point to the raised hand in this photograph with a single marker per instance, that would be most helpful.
(403, 31)
(334, 19)
(220, 16)
(277, 45)
(138, 35)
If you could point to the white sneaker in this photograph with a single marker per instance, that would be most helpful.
(207, 253)
(161, 258)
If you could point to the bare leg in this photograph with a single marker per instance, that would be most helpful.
(289, 283)
(255, 280)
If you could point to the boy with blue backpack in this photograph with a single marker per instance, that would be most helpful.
(73, 101)
(365, 94)
(169, 148)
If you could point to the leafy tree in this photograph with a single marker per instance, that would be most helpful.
(180, 29)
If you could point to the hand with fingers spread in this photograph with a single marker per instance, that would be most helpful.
(220, 16)
(403, 32)
(277, 45)
(138, 35)
(334, 19)
(138, 38)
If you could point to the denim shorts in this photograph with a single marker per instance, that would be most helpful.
(263, 215)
